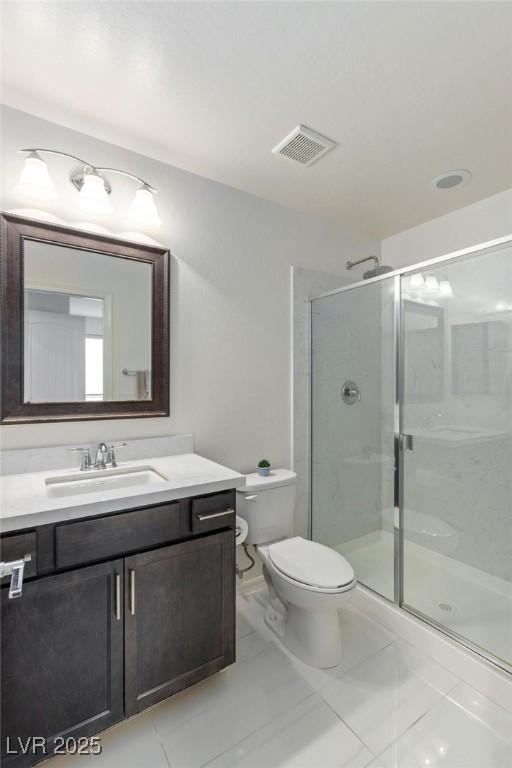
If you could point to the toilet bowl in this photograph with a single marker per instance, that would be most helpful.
(308, 583)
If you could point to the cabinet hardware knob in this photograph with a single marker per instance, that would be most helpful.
(15, 569)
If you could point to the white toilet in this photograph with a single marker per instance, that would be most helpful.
(308, 583)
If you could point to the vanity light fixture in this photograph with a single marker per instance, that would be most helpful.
(416, 282)
(428, 287)
(94, 189)
(143, 210)
(93, 196)
(35, 180)
(431, 285)
(445, 288)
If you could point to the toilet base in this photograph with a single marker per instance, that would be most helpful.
(314, 637)
(275, 621)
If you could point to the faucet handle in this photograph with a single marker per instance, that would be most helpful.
(111, 453)
(86, 457)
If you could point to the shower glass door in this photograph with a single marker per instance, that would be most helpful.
(457, 465)
(353, 411)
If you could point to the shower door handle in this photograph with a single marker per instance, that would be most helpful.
(407, 442)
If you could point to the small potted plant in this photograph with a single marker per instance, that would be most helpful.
(264, 467)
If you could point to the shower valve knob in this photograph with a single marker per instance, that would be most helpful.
(350, 393)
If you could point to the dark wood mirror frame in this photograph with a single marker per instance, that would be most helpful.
(13, 410)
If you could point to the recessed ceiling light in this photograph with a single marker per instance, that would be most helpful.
(450, 179)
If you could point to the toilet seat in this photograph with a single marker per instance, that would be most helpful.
(313, 566)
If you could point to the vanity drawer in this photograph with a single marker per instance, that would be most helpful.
(108, 537)
(15, 548)
(210, 513)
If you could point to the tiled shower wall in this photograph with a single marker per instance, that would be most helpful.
(306, 283)
(352, 444)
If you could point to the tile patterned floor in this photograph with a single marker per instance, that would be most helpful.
(385, 706)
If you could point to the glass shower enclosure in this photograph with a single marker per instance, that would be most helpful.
(411, 440)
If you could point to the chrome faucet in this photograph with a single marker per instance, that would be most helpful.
(112, 461)
(105, 456)
(101, 456)
(86, 458)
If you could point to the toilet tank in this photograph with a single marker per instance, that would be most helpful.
(268, 505)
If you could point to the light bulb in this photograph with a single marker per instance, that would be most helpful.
(143, 212)
(416, 282)
(431, 285)
(445, 288)
(93, 197)
(35, 181)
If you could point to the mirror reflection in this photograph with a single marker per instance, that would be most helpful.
(87, 325)
(424, 352)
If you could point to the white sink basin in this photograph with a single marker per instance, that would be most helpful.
(101, 480)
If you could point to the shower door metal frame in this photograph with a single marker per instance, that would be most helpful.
(398, 434)
(398, 479)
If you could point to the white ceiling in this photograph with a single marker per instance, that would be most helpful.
(407, 89)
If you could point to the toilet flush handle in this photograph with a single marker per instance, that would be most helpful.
(252, 497)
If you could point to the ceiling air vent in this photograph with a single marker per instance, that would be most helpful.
(303, 146)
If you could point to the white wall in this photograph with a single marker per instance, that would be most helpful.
(230, 298)
(474, 224)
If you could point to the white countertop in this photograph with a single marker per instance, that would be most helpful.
(460, 435)
(24, 502)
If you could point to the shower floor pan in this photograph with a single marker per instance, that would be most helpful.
(470, 602)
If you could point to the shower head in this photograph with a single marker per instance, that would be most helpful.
(379, 269)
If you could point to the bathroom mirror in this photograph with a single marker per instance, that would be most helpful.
(84, 323)
(479, 357)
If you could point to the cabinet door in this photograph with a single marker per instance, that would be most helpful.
(179, 617)
(62, 657)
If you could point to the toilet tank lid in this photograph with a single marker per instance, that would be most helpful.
(256, 482)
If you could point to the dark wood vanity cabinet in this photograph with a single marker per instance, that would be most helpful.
(179, 619)
(62, 659)
(86, 646)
